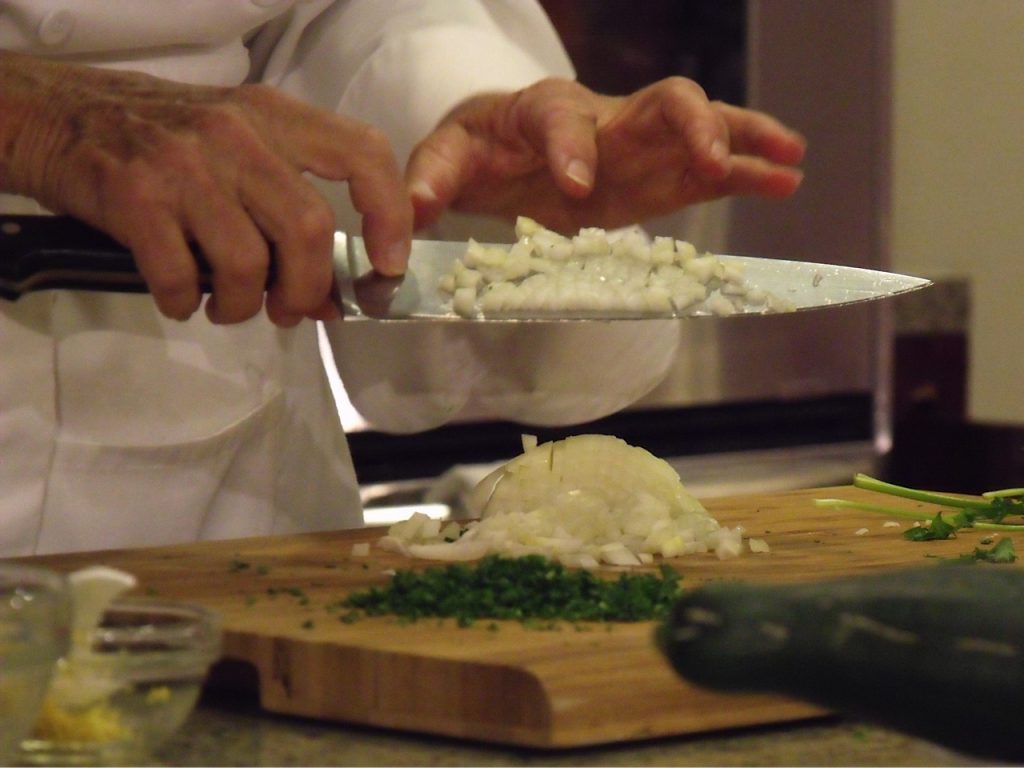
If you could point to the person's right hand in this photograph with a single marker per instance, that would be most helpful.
(159, 165)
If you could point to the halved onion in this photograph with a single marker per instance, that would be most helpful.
(618, 473)
(585, 500)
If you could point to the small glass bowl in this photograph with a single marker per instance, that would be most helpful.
(35, 615)
(135, 687)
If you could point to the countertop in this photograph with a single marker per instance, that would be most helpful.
(232, 733)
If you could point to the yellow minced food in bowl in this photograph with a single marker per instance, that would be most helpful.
(100, 723)
(159, 695)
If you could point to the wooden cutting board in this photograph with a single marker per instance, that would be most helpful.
(542, 688)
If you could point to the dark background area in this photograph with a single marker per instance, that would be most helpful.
(618, 48)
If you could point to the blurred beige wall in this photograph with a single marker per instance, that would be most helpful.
(958, 175)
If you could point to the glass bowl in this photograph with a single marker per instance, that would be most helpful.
(133, 687)
(35, 613)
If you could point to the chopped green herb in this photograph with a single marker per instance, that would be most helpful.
(531, 589)
(262, 570)
(986, 513)
(1003, 552)
(307, 624)
(297, 593)
(937, 529)
(237, 565)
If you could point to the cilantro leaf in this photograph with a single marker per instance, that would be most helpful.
(1003, 552)
(937, 529)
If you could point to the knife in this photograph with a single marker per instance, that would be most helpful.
(46, 252)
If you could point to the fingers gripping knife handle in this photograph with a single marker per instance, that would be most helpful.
(45, 252)
(42, 252)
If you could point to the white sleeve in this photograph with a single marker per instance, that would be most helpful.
(402, 66)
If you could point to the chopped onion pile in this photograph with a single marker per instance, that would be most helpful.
(583, 501)
(594, 273)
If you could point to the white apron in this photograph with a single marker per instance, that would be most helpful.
(120, 428)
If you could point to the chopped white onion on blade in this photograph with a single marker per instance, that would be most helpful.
(594, 272)
(583, 501)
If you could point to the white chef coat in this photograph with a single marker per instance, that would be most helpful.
(121, 428)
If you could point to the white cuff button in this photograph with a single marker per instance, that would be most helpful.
(56, 27)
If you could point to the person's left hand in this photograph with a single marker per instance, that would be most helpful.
(568, 157)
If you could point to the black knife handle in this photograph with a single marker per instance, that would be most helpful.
(44, 252)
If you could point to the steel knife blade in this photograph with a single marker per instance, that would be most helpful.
(47, 252)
